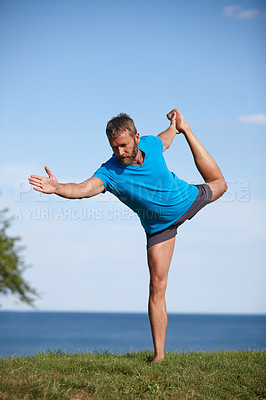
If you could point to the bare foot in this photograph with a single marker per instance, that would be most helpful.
(180, 121)
(157, 359)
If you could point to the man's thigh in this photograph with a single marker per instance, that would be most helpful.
(159, 258)
(204, 197)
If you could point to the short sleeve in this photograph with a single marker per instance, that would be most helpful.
(160, 142)
(153, 142)
(102, 173)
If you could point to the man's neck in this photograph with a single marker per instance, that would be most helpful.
(139, 158)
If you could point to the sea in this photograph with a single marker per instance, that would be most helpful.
(28, 333)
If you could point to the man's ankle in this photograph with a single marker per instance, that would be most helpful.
(158, 358)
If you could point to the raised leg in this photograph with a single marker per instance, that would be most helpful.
(206, 165)
(159, 259)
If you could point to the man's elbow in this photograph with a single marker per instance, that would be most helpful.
(84, 190)
(166, 144)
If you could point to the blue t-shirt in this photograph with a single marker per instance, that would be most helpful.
(156, 194)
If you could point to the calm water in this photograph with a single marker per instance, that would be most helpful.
(29, 332)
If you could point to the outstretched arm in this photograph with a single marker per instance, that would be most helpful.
(90, 187)
(205, 164)
(168, 135)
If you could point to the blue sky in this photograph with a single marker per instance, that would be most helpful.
(66, 68)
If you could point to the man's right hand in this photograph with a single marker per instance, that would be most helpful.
(180, 121)
(43, 184)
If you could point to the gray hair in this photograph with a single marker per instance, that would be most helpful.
(119, 124)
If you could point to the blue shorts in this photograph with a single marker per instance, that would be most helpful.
(203, 198)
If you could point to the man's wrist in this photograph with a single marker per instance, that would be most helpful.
(172, 130)
(57, 189)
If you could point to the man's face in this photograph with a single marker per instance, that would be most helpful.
(125, 147)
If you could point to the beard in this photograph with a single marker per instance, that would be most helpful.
(128, 160)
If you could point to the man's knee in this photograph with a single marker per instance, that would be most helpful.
(221, 188)
(218, 187)
(224, 187)
(157, 287)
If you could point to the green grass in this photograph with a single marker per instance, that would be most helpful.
(218, 375)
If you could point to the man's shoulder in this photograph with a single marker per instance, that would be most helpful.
(150, 141)
(148, 138)
(109, 163)
(107, 167)
(106, 172)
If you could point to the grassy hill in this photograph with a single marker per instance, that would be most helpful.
(217, 375)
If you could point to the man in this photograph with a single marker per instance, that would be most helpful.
(137, 174)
